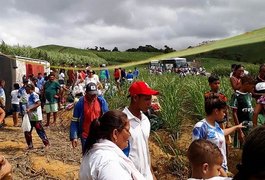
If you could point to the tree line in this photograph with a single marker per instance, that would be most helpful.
(146, 48)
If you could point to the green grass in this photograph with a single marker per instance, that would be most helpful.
(210, 63)
(70, 50)
(124, 57)
(253, 53)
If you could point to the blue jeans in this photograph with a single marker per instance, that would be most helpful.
(83, 143)
(23, 108)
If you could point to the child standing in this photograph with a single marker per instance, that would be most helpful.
(214, 83)
(209, 129)
(242, 108)
(205, 159)
(35, 117)
(15, 104)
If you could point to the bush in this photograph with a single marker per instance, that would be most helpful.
(221, 71)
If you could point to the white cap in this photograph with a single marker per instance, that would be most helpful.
(260, 86)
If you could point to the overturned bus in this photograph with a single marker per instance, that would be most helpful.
(13, 68)
(169, 64)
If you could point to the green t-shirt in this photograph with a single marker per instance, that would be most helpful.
(102, 74)
(51, 89)
(242, 102)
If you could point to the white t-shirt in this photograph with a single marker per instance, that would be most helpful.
(14, 98)
(139, 149)
(61, 76)
(106, 161)
(37, 90)
(35, 115)
(96, 76)
(92, 79)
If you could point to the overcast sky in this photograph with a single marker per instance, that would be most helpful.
(126, 23)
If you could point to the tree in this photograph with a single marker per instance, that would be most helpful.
(115, 49)
(168, 49)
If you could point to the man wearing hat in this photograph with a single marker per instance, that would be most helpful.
(88, 108)
(138, 150)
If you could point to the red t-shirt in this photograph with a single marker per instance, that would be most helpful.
(91, 112)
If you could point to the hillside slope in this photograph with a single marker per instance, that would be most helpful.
(111, 57)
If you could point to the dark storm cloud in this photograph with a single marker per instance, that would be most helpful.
(126, 23)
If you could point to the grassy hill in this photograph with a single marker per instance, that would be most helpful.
(253, 53)
(247, 47)
(112, 58)
(70, 50)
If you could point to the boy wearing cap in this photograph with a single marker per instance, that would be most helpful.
(138, 150)
(88, 108)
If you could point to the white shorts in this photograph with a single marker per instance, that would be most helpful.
(51, 108)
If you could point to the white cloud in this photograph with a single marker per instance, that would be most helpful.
(126, 23)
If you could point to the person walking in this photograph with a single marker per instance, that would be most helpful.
(88, 108)
(35, 117)
(15, 104)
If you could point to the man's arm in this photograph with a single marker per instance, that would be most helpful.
(257, 110)
(236, 121)
(74, 126)
(228, 131)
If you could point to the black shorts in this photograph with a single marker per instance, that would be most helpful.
(15, 108)
(61, 82)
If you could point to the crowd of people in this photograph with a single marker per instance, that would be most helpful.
(115, 143)
(208, 152)
(181, 71)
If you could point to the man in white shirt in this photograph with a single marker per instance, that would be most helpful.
(15, 104)
(138, 150)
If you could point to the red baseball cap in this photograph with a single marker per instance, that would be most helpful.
(141, 87)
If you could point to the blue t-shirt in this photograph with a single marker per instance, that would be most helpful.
(40, 83)
(136, 73)
(23, 95)
(203, 130)
(129, 76)
(3, 96)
